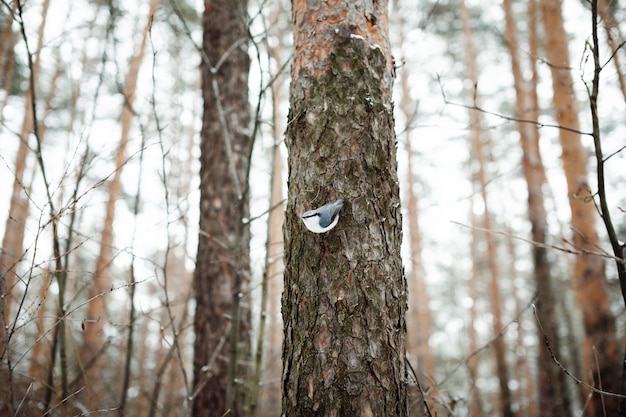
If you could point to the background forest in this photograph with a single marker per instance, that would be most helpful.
(512, 271)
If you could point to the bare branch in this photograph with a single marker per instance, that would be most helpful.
(208, 367)
(429, 413)
(576, 251)
(274, 207)
(605, 214)
(563, 368)
(503, 116)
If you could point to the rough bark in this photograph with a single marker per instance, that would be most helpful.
(221, 324)
(602, 356)
(553, 395)
(345, 292)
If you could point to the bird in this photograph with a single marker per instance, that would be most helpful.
(323, 218)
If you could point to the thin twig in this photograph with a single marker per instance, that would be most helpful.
(489, 342)
(272, 208)
(605, 214)
(504, 116)
(208, 367)
(175, 347)
(429, 413)
(58, 272)
(576, 251)
(563, 368)
(226, 134)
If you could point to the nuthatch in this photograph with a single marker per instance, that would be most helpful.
(324, 218)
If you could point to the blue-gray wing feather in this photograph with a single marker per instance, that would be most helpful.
(328, 216)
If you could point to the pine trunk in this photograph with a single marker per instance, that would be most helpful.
(525, 394)
(419, 317)
(615, 40)
(221, 324)
(480, 178)
(40, 362)
(13, 239)
(272, 369)
(345, 292)
(602, 356)
(93, 335)
(419, 320)
(7, 47)
(475, 401)
(553, 395)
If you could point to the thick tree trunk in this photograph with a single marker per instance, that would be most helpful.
(603, 354)
(553, 395)
(222, 270)
(345, 292)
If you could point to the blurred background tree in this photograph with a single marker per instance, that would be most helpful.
(110, 157)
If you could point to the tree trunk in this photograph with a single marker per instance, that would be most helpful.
(93, 335)
(615, 39)
(553, 395)
(345, 292)
(7, 74)
(602, 356)
(475, 402)
(478, 154)
(7, 47)
(40, 356)
(266, 396)
(222, 267)
(419, 319)
(525, 393)
(269, 397)
(13, 239)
